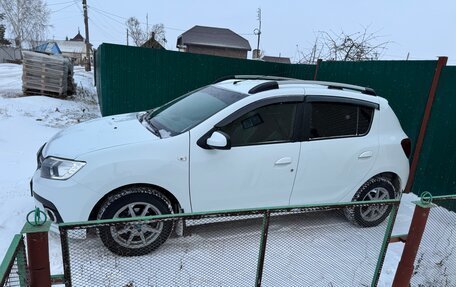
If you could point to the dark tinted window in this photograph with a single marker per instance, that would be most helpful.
(364, 120)
(272, 123)
(338, 120)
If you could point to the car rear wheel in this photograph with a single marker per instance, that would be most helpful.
(140, 238)
(377, 188)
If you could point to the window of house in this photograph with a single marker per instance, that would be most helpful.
(268, 124)
(339, 120)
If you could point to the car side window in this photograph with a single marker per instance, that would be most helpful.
(267, 124)
(330, 120)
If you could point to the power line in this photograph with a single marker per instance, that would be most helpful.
(109, 14)
(102, 29)
(107, 25)
(53, 12)
(77, 5)
(92, 7)
(60, 3)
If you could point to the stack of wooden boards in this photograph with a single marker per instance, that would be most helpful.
(50, 75)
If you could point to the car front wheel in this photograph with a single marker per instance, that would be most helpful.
(135, 239)
(377, 188)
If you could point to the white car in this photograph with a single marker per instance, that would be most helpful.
(244, 142)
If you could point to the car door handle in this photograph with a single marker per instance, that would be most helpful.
(283, 161)
(366, 154)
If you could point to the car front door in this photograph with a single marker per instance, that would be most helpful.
(340, 150)
(259, 168)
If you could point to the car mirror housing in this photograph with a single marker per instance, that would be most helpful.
(219, 140)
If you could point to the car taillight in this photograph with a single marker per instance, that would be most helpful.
(407, 146)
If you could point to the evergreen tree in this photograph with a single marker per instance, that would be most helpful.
(3, 41)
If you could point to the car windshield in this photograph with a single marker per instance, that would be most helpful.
(185, 112)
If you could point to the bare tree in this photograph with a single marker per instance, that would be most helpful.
(140, 36)
(135, 31)
(331, 46)
(158, 33)
(311, 56)
(28, 20)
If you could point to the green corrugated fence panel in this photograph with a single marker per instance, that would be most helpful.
(405, 84)
(436, 171)
(134, 79)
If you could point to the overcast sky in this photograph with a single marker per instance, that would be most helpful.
(423, 28)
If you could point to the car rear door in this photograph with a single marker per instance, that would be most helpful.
(340, 149)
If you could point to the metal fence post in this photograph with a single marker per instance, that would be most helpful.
(38, 254)
(261, 255)
(385, 244)
(65, 256)
(317, 65)
(405, 269)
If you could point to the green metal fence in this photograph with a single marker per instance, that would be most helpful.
(311, 245)
(405, 84)
(13, 270)
(133, 78)
(437, 164)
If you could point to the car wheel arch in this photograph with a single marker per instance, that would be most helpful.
(393, 177)
(174, 202)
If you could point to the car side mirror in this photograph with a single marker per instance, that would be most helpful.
(219, 140)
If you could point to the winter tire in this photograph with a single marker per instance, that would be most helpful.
(135, 239)
(377, 188)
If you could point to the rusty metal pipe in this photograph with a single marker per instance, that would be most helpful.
(38, 259)
(405, 269)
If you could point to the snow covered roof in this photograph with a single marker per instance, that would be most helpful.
(284, 60)
(71, 46)
(213, 37)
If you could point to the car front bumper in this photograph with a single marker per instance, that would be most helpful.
(62, 200)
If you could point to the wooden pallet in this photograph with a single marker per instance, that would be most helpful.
(47, 75)
(32, 92)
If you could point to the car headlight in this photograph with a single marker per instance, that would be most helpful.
(57, 168)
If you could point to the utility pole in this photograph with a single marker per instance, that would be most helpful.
(147, 26)
(86, 23)
(257, 32)
(127, 36)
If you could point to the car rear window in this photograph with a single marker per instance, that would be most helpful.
(329, 120)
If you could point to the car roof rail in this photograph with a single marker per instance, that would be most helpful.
(275, 81)
(251, 77)
(266, 86)
(332, 85)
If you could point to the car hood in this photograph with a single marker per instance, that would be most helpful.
(97, 134)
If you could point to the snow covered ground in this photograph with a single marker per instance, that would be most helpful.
(27, 122)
